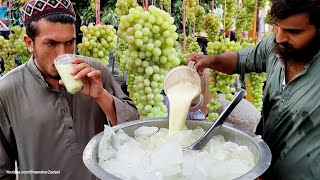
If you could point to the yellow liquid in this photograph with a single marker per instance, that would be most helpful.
(180, 97)
(73, 86)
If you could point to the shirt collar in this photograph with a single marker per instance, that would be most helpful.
(35, 71)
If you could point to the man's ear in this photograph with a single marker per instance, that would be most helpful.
(29, 43)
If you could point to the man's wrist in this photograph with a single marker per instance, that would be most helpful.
(103, 96)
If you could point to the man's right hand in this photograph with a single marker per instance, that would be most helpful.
(201, 62)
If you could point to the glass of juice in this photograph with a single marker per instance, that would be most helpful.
(64, 68)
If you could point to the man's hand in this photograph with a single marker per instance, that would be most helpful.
(201, 62)
(90, 77)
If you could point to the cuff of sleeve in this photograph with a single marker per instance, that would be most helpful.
(241, 60)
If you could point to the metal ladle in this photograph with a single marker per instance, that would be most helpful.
(200, 143)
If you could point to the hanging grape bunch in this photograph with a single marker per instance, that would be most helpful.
(256, 88)
(255, 80)
(16, 39)
(191, 44)
(166, 4)
(98, 41)
(119, 55)
(244, 17)
(229, 9)
(220, 82)
(211, 25)
(123, 6)
(7, 54)
(93, 5)
(199, 19)
(192, 7)
(151, 37)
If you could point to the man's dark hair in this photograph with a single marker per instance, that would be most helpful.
(282, 9)
(31, 28)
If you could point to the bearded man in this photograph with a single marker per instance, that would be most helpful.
(290, 122)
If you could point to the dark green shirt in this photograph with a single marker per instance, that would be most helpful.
(291, 112)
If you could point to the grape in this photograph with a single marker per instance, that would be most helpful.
(7, 54)
(192, 6)
(123, 6)
(166, 4)
(244, 17)
(191, 44)
(256, 81)
(220, 82)
(211, 25)
(14, 48)
(199, 19)
(262, 4)
(98, 41)
(93, 4)
(255, 88)
(150, 53)
(229, 8)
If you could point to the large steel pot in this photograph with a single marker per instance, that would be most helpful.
(260, 150)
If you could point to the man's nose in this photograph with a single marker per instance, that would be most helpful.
(61, 49)
(281, 36)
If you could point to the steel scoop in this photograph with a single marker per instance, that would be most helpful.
(200, 143)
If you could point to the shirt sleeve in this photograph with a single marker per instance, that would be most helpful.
(254, 59)
(7, 147)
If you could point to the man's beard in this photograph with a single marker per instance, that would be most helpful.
(47, 74)
(302, 55)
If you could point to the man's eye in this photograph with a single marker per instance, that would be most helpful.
(70, 42)
(51, 43)
(295, 31)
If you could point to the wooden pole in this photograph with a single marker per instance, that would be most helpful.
(170, 7)
(146, 5)
(254, 33)
(10, 17)
(212, 6)
(184, 25)
(98, 21)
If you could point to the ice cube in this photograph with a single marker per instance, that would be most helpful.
(108, 144)
(169, 153)
(122, 137)
(145, 131)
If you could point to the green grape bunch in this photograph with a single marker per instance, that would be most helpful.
(256, 80)
(166, 4)
(98, 41)
(199, 19)
(229, 10)
(16, 39)
(220, 82)
(211, 25)
(244, 17)
(93, 4)
(191, 9)
(256, 88)
(7, 54)
(151, 38)
(123, 6)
